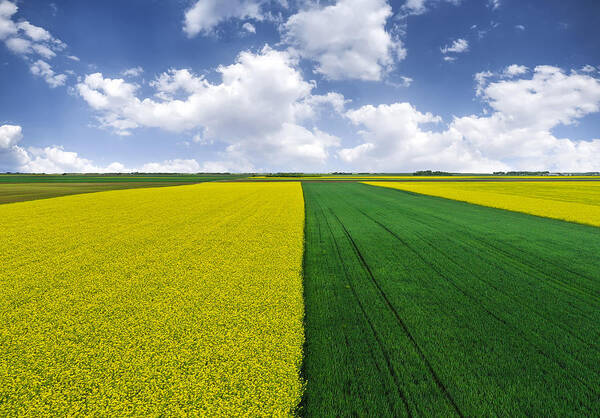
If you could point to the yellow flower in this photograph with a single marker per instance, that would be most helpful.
(167, 301)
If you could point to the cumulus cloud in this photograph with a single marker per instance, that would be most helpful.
(205, 15)
(52, 159)
(494, 4)
(260, 110)
(43, 69)
(25, 38)
(588, 69)
(514, 70)
(35, 33)
(133, 72)
(28, 40)
(347, 40)
(172, 166)
(516, 135)
(249, 27)
(7, 26)
(9, 136)
(458, 46)
(418, 7)
(55, 159)
(11, 155)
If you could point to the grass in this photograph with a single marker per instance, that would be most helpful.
(417, 305)
(21, 192)
(174, 301)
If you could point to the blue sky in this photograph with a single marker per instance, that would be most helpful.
(259, 85)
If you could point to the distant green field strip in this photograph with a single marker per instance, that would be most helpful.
(417, 305)
(21, 192)
(13, 178)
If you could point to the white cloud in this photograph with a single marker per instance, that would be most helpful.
(35, 33)
(514, 70)
(449, 58)
(7, 26)
(406, 81)
(481, 80)
(417, 7)
(249, 27)
(175, 81)
(516, 135)
(520, 27)
(26, 39)
(395, 140)
(205, 15)
(172, 166)
(348, 39)
(54, 159)
(10, 135)
(44, 51)
(458, 46)
(43, 69)
(494, 4)
(73, 58)
(257, 111)
(12, 156)
(133, 72)
(18, 45)
(588, 69)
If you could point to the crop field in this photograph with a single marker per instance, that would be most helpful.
(114, 178)
(299, 298)
(413, 178)
(21, 192)
(576, 201)
(161, 301)
(417, 305)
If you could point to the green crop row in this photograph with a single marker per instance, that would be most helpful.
(417, 305)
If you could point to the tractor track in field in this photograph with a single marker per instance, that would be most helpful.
(516, 260)
(479, 303)
(507, 295)
(500, 266)
(400, 321)
(378, 339)
(509, 255)
(461, 299)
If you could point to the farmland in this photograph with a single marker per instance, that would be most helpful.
(443, 308)
(312, 298)
(158, 301)
(575, 201)
(21, 192)
(114, 178)
(24, 187)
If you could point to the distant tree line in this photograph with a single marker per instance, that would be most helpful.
(521, 173)
(431, 173)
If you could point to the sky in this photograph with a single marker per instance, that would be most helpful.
(299, 85)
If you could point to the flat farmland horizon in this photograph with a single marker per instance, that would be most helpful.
(341, 208)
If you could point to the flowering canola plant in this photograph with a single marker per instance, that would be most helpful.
(574, 201)
(169, 301)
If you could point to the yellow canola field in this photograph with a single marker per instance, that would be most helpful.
(574, 201)
(359, 177)
(169, 301)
